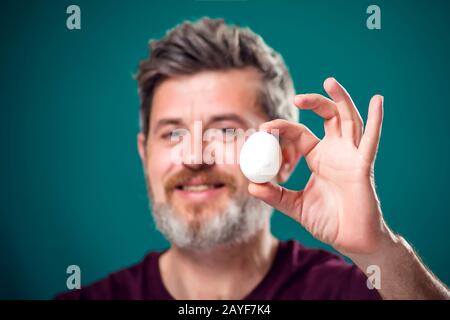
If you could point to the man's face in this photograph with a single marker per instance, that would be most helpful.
(194, 191)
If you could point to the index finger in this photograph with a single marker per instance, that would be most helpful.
(323, 107)
(351, 121)
(298, 133)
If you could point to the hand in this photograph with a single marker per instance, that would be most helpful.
(338, 205)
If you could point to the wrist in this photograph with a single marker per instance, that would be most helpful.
(401, 273)
(390, 248)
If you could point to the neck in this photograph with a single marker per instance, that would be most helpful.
(223, 272)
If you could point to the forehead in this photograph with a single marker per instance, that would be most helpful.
(204, 95)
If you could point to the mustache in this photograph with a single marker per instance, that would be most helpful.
(207, 176)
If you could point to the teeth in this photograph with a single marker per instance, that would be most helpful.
(198, 188)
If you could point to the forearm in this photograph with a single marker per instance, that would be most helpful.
(403, 275)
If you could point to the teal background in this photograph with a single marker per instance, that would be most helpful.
(72, 187)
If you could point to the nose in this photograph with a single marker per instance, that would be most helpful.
(193, 164)
(193, 154)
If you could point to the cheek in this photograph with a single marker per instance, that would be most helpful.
(221, 152)
(226, 158)
(240, 180)
(158, 163)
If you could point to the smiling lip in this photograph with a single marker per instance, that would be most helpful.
(199, 191)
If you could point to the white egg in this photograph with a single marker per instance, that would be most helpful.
(260, 157)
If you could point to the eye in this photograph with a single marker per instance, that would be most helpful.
(229, 131)
(229, 134)
(173, 134)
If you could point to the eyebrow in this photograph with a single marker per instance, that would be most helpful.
(167, 121)
(216, 118)
(228, 117)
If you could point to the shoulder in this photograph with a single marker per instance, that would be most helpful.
(128, 283)
(320, 274)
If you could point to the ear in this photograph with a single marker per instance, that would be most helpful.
(288, 162)
(141, 144)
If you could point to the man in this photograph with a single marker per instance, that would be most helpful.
(211, 76)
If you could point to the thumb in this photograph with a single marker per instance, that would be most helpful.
(287, 201)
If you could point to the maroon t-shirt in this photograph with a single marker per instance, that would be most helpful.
(296, 273)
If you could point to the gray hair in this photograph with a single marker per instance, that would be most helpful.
(208, 45)
(237, 223)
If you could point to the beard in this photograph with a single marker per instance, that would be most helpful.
(239, 220)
